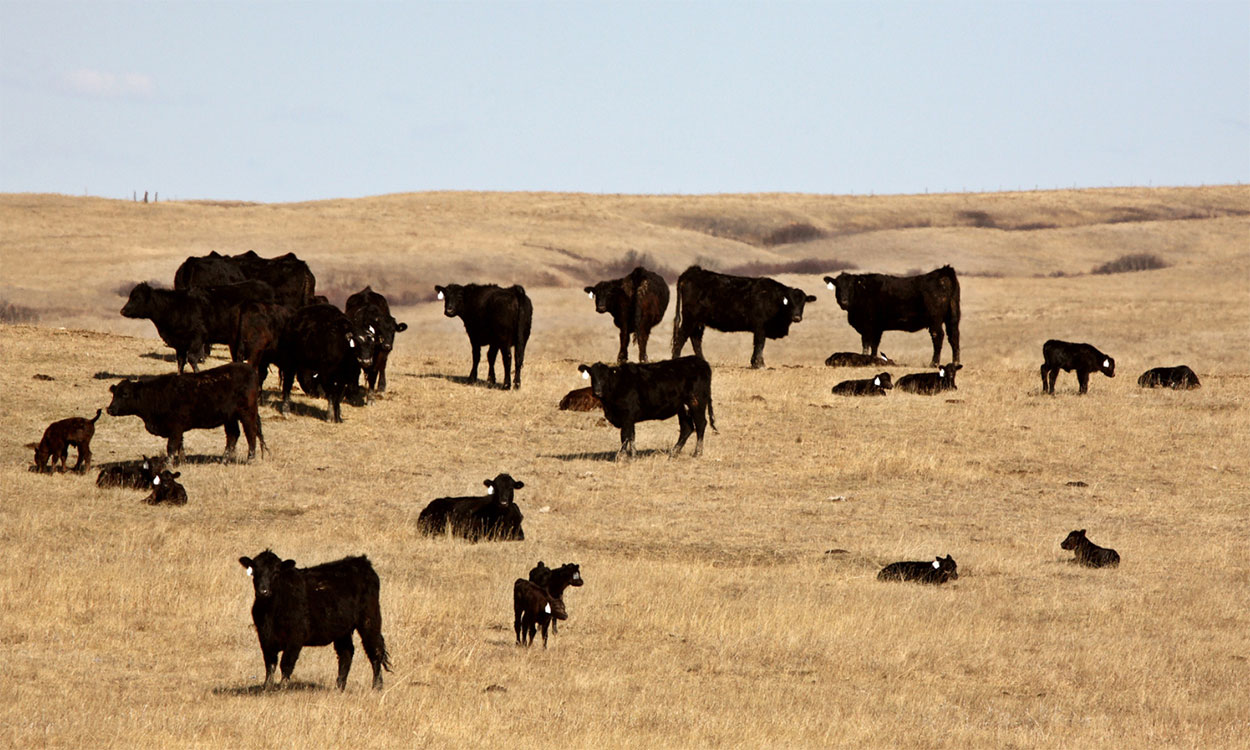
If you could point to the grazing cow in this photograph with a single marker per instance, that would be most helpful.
(493, 317)
(135, 475)
(580, 399)
(637, 303)
(762, 306)
(190, 321)
(556, 581)
(59, 436)
(939, 570)
(260, 329)
(1066, 356)
(855, 359)
(931, 383)
(1089, 554)
(1178, 378)
(494, 516)
(533, 607)
(169, 405)
(369, 312)
(876, 386)
(877, 302)
(320, 344)
(166, 489)
(317, 606)
(633, 393)
(293, 283)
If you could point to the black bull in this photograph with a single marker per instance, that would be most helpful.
(876, 303)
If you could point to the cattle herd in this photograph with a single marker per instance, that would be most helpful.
(266, 312)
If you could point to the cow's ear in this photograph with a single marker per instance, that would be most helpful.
(287, 565)
(175, 475)
(401, 327)
(246, 562)
(1081, 532)
(518, 485)
(589, 290)
(811, 298)
(487, 482)
(440, 291)
(585, 371)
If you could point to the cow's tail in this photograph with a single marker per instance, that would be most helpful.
(711, 416)
(952, 313)
(677, 337)
(524, 319)
(98, 412)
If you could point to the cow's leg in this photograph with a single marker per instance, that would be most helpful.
(491, 352)
(477, 357)
(232, 438)
(935, 333)
(520, 360)
(679, 340)
(627, 441)
(545, 633)
(1082, 377)
(699, 418)
(1052, 377)
(251, 431)
(379, 367)
(84, 457)
(1043, 373)
(952, 333)
(622, 356)
(686, 426)
(271, 663)
(696, 341)
(181, 356)
(757, 350)
(506, 352)
(643, 335)
(288, 662)
(869, 344)
(173, 448)
(344, 648)
(287, 376)
(334, 393)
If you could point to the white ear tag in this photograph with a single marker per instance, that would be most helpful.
(490, 490)
(585, 375)
(937, 564)
(1106, 363)
(145, 465)
(440, 295)
(830, 285)
(876, 381)
(351, 343)
(590, 294)
(785, 300)
(371, 330)
(547, 608)
(156, 481)
(249, 571)
(941, 372)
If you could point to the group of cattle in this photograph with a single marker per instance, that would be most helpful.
(266, 312)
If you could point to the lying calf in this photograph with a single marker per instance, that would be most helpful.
(930, 383)
(939, 570)
(870, 387)
(165, 489)
(855, 359)
(1089, 554)
(132, 475)
(1179, 378)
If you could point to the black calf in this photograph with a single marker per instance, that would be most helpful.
(1179, 378)
(930, 383)
(1089, 554)
(1066, 356)
(532, 607)
(165, 489)
(939, 570)
(876, 386)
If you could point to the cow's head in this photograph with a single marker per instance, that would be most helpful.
(946, 568)
(452, 296)
(604, 294)
(794, 300)
(571, 572)
(883, 380)
(125, 398)
(845, 285)
(166, 488)
(361, 344)
(600, 377)
(947, 373)
(502, 487)
(1075, 539)
(139, 303)
(1107, 366)
(265, 569)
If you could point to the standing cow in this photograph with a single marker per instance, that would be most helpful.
(722, 302)
(293, 283)
(369, 312)
(637, 303)
(658, 390)
(169, 405)
(320, 343)
(493, 317)
(876, 302)
(1064, 355)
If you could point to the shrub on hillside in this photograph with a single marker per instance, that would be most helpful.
(11, 313)
(1131, 262)
(798, 265)
(796, 231)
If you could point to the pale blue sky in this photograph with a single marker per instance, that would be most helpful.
(282, 101)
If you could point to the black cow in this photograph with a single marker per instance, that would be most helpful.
(135, 475)
(938, 570)
(930, 383)
(637, 303)
(1066, 356)
(876, 302)
(494, 516)
(532, 607)
(169, 405)
(876, 386)
(293, 283)
(370, 313)
(1089, 554)
(317, 606)
(190, 321)
(762, 306)
(166, 489)
(855, 359)
(633, 393)
(556, 581)
(321, 345)
(493, 317)
(260, 329)
(1179, 378)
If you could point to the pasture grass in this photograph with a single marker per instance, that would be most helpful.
(730, 600)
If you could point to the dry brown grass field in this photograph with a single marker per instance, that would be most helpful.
(730, 600)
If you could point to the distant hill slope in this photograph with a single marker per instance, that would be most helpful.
(73, 254)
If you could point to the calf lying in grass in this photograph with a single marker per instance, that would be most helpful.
(855, 359)
(165, 489)
(938, 570)
(876, 386)
(930, 383)
(134, 475)
(1089, 554)
(1178, 378)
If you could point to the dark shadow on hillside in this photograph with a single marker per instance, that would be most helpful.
(106, 375)
(603, 455)
(162, 356)
(259, 689)
(463, 380)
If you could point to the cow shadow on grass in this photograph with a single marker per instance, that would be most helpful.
(298, 409)
(106, 375)
(604, 455)
(464, 380)
(254, 689)
(162, 356)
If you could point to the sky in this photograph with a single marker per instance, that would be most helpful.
(290, 101)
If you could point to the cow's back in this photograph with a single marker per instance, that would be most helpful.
(339, 594)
